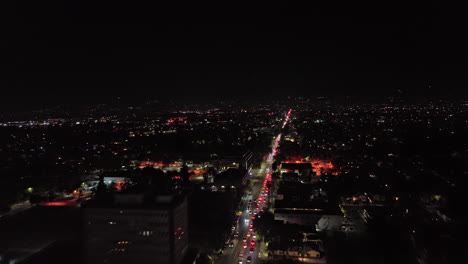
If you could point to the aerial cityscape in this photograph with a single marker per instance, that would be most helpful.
(176, 134)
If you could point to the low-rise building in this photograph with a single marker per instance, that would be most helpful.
(306, 205)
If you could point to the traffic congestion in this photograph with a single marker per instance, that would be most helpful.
(243, 241)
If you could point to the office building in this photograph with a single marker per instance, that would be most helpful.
(136, 228)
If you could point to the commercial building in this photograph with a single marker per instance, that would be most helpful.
(306, 205)
(235, 161)
(136, 228)
(303, 170)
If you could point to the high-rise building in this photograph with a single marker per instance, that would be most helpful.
(136, 228)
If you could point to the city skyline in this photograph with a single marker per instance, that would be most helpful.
(233, 133)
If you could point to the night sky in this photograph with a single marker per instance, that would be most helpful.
(78, 51)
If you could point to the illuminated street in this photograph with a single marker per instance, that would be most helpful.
(242, 250)
(222, 133)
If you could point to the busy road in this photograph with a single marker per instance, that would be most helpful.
(242, 246)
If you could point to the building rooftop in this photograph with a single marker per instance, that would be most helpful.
(136, 201)
(296, 166)
(297, 187)
(307, 207)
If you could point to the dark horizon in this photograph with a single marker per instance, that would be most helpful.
(81, 52)
(18, 105)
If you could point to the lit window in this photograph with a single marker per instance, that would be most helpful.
(146, 233)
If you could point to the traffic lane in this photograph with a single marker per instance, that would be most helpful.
(241, 250)
(238, 242)
(247, 253)
(231, 254)
(256, 251)
(236, 251)
(243, 228)
(246, 218)
(256, 194)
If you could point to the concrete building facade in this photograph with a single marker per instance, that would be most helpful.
(134, 228)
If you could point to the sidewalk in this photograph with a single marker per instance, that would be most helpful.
(263, 251)
(263, 255)
(17, 208)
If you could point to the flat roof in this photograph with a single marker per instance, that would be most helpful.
(296, 166)
(135, 201)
